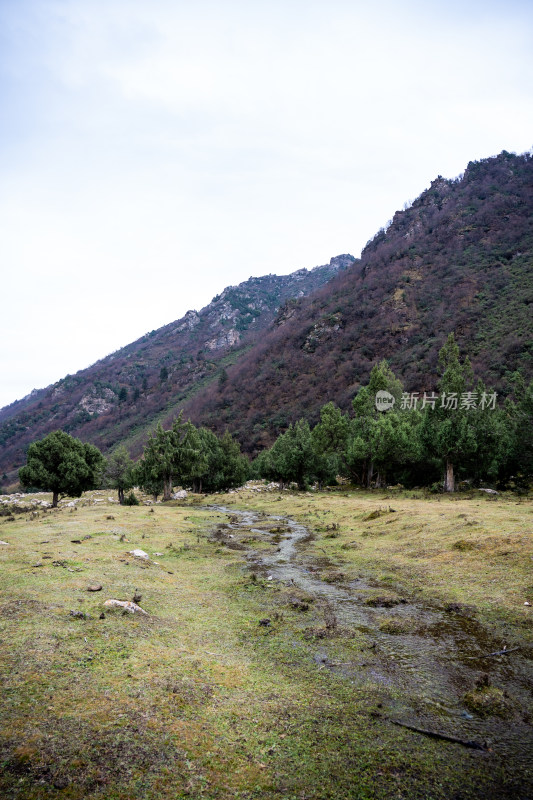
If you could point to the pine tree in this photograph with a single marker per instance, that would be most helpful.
(63, 465)
(448, 430)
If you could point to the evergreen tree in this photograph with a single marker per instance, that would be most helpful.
(520, 420)
(377, 439)
(448, 429)
(120, 473)
(63, 465)
(172, 456)
(292, 457)
(225, 467)
(330, 439)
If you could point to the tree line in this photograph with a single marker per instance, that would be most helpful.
(461, 432)
(421, 438)
(184, 455)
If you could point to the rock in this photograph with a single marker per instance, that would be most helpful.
(264, 622)
(94, 587)
(140, 554)
(79, 615)
(127, 605)
(4, 542)
(181, 495)
(137, 597)
(489, 491)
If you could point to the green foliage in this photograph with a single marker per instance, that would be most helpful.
(330, 439)
(63, 465)
(519, 418)
(131, 499)
(292, 457)
(172, 456)
(120, 472)
(190, 457)
(380, 440)
(448, 430)
(225, 466)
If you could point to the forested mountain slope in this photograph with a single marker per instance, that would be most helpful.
(459, 259)
(274, 349)
(121, 397)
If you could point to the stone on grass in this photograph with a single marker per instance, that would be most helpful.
(94, 587)
(127, 605)
(139, 554)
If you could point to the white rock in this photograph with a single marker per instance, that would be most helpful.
(127, 604)
(181, 495)
(139, 554)
(526, 603)
(4, 542)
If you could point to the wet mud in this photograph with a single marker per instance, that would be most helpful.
(430, 664)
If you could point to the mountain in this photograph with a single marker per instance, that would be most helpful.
(459, 259)
(120, 397)
(276, 348)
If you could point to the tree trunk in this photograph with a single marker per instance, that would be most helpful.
(167, 488)
(369, 475)
(449, 479)
(55, 498)
(121, 496)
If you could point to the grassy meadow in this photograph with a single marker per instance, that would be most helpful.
(237, 685)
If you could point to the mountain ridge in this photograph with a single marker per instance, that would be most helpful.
(459, 259)
(161, 365)
(275, 348)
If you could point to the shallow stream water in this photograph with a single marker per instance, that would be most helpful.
(424, 671)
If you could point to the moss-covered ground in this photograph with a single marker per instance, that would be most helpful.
(221, 690)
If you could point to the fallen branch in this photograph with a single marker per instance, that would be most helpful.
(502, 652)
(435, 735)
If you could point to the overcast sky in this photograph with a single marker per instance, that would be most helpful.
(152, 153)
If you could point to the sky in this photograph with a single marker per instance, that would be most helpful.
(153, 153)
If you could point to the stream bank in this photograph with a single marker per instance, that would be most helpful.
(436, 669)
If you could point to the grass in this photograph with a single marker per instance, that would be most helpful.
(199, 700)
(463, 549)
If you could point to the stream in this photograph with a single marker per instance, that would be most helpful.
(424, 670)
